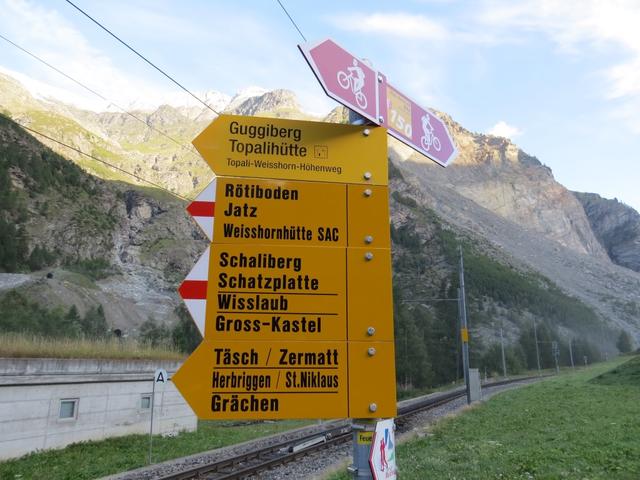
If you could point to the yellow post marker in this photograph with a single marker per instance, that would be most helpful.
(464, 334)
(294, 150)
(265, 380)
(365, 438)
(276, 293)
(280, 212)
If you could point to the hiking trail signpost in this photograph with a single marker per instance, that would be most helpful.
(293, 295)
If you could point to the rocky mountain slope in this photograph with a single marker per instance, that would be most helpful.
(501, 203)
(100, 242)
(617, 227)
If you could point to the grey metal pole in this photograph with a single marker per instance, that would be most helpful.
(504, 361)
(535, 336)
(362, 429)
(153, 401)
(464, 331)
(362, 436)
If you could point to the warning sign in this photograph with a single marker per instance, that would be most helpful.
(382, 458)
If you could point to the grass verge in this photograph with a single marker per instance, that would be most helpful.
(90, 460)
(567, 427)
(19, 345)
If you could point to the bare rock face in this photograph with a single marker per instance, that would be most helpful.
(497, 175)
(617, 227)
(278, 103)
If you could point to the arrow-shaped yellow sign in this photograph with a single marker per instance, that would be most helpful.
(294, 150)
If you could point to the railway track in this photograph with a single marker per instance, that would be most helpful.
(252, 463)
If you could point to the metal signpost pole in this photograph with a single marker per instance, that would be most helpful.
(153, 401)
(362, 429)
(464, 332)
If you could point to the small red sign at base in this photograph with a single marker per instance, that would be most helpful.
(382, 458)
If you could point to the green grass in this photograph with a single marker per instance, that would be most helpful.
(626, 374)
(89, 460)
(24, 345)
(566, 427)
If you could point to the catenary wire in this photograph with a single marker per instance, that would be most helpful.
(115, 167)
(292, 20)
(102, 97)
(141, 56)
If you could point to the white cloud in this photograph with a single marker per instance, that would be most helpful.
(503, 129)
(588, 28)
(49, 36)
(402, 25)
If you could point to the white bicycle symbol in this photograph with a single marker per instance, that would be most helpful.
(347, 81)
(430, 139)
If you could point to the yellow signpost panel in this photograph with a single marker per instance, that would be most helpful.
(370, 302)
(294, 150)
(280, 212)
(276, 292)
(372, 380)
(368, 216)
(265, 380)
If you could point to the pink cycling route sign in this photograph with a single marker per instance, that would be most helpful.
(350, 81)
(344, 77)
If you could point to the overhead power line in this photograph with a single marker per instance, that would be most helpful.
(292, 20)
(111, 165)
(141, 56)
(102, 97)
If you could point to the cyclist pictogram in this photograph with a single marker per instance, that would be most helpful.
(354, 81)
(429, 139)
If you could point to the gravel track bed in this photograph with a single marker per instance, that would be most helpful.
(315, 465)
(184, 463)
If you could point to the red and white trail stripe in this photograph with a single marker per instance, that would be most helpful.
(202, 209)
(193, 290)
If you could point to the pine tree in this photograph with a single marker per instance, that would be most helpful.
(185, 336)
(94, 323)
(625, 342)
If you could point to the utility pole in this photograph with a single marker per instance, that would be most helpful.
(535, 336)
(464, 331)
(504, 361)
(571, 353)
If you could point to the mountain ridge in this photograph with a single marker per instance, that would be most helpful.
(504, 200)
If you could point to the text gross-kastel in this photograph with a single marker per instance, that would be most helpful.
(295, 150)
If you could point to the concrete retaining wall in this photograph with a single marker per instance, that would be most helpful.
(108, 395)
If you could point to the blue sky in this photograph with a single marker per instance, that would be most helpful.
(560, 78)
